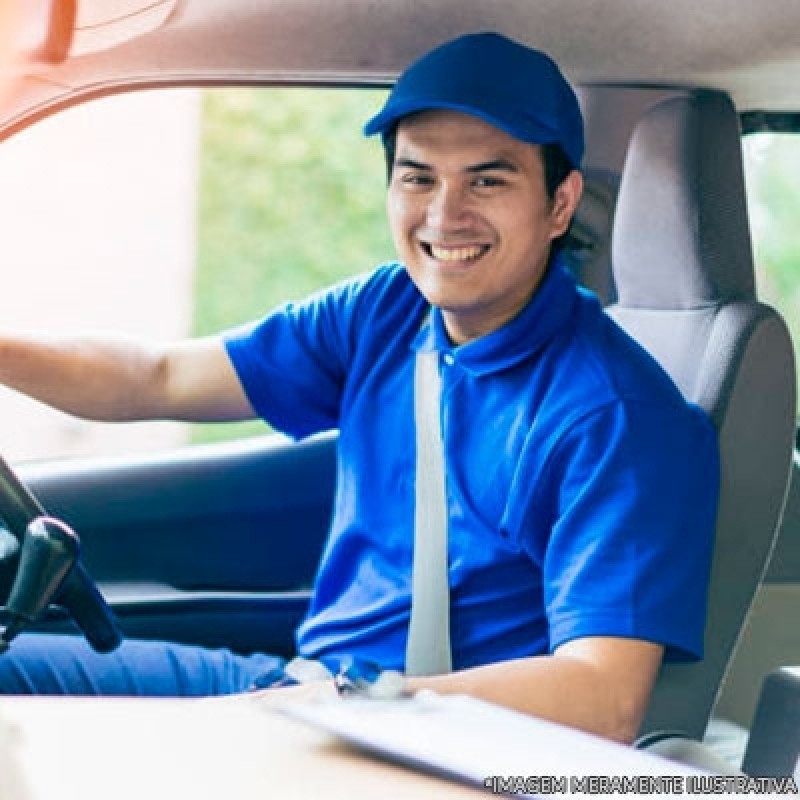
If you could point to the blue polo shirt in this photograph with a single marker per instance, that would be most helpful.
(581, 487)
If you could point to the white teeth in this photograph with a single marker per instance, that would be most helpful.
(455, 253)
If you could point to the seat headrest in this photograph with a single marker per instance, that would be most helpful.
(681, 236)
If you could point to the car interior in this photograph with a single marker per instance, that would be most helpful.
(217, 544)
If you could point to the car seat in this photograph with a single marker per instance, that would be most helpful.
(684, 276)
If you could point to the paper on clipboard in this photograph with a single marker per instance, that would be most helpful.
(479, 743)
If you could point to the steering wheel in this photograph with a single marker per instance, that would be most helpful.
(42, 554)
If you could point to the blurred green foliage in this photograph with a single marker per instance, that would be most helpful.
(291, 199)
(772, 167)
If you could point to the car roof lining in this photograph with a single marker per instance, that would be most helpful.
(684, 43)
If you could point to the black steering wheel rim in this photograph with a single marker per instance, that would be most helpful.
(76, 592)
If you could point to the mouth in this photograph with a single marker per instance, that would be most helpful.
(463, 254)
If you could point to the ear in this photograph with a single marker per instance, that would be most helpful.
(565, 201)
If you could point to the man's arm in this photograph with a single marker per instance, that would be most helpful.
(600, 684)
(116, 378)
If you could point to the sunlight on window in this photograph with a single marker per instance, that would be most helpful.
(98, 209)
(171, 213)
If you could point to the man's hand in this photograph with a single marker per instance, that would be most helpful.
(304, 692)
(599, 684)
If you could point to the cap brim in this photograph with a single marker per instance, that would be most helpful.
(524, 129)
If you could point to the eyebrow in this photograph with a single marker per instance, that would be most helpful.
(409, 162)
(500, 164)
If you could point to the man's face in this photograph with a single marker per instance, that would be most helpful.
(471, 218)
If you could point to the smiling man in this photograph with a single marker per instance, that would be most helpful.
(471, 218)
(579, 488)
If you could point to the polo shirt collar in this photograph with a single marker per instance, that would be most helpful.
(545, 313)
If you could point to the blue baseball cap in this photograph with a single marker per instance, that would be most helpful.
(513, 87)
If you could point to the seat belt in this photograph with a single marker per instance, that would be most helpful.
(428, 649)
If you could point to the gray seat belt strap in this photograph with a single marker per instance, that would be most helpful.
(428, 649)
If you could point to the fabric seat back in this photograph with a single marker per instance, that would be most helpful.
(684, 275)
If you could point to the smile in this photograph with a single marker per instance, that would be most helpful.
(455, 254)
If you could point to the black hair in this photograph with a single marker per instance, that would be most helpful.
(389, 148)
(556, 167)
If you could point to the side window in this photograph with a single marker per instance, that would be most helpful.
(772, 163)
(172, 213)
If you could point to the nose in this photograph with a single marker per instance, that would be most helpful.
(447, 208)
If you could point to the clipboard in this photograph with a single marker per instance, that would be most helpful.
(478, 743)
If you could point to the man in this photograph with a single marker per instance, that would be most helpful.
(580, 487)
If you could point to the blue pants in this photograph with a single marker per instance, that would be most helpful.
(55, 664)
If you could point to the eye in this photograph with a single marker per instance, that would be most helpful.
(415, 181)
(417, 178)
(488, 182)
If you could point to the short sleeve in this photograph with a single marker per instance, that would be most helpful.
(293, 363)
(630, 547)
